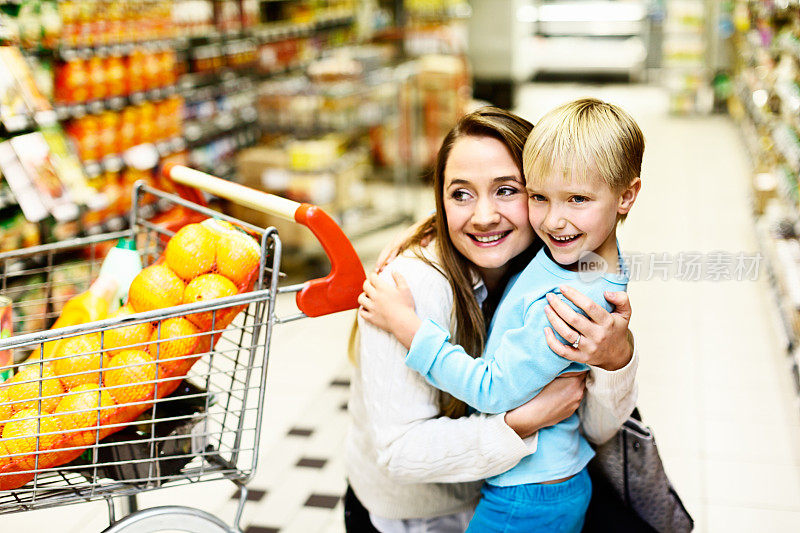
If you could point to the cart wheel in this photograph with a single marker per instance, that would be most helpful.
(171, 518)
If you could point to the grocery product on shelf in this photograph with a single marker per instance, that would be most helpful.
(193, 17)
(22, 101)
(444, 93)
(17, 232)
(37, 105)
(326, 101)
(69, 170)
(32, 23)
(14, 112)
(87, 75)
(20, 184)
(33, 153)
(110, 133)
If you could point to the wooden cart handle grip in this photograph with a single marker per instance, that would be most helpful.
(339, 290)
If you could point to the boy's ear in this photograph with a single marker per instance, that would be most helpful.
(628, 196)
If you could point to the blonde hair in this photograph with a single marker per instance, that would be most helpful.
(470, 327)
(583, 135)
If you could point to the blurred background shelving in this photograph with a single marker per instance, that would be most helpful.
(765, 101)
(344, 92)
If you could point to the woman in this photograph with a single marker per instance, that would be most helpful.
(413, 460)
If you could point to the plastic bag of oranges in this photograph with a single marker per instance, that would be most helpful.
(80, 403)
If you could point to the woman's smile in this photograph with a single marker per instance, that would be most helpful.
(490, 239)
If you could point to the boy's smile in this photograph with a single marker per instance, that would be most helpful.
(574, 217)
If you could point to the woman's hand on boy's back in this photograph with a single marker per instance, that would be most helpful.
(557, 401)
(390, 307)
(604, 341)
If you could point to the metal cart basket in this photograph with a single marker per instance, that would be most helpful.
(208, 428)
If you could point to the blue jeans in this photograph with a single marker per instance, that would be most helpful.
(560, 507)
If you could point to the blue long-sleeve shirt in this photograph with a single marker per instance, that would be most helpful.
(517, 364)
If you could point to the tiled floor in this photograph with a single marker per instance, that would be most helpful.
(714, 383)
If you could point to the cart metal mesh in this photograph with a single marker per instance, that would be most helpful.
(207, 429)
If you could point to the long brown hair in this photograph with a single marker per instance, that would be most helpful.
(470, 326)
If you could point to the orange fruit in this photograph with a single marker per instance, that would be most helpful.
(134, 335)
(238, 256)
(20, 434)
(80, 309)
(205, 288)
(49, 349)
(184, 340)
(5, 407)
(77, 357)
(191, 251)
(4, 458)
(155, 287)
(79, 410)
(130, 376)
(23, 389)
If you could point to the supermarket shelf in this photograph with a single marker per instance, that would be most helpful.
(433, 14)
(206, 157)
(767, 105)
(782, 136)
(123, 48)
(201, 132)
(787, 303)
(192, 83)
(66, 112)
(28, 122)
(143, 156)
(784, 279)
(209, 36)
(279, 31)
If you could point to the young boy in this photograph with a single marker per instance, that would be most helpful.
(582, 164)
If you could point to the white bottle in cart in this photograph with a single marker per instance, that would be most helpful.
(104, 296)
(121, 265)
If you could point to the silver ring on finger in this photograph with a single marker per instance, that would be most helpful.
(577, 342)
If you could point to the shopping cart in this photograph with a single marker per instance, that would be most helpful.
(209, 427)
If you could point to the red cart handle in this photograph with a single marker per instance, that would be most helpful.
(339, 290)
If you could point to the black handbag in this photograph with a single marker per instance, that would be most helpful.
(630, 490)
